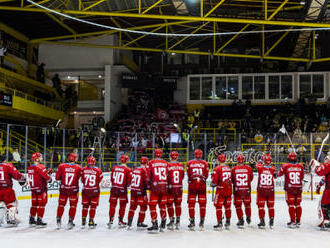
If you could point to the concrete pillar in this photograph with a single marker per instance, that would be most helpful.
(107, 95)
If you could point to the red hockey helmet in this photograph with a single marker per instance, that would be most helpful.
(158, 153)
(292, 156)
(143, 160)
(123, 158)
(174, 155)
(267, 158)
(240, 159)
(198, 153)
(35, 156)
(91, 160)
(222, 158)
(73, 157)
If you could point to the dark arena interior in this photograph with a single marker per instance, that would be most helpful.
(205, 118)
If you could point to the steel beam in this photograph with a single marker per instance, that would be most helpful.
(93, 5)
(61, 23)
(152, 6)
(276, 43)
(214, 8)
(13, 32)
(232, 38)
(142, 36)
(178, 17)
(278, 9)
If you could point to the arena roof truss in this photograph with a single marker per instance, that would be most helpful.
(249, 29)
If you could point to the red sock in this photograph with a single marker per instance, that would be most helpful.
(92, 212)
(170, 210)
(162, 210)
(298, 213)
(142, 214)
(271, 212)
(247, 210)
(228, 212)
(33, 211)
(261, 212)
(178, 210)
(202, 210)
(72, 212)
(219, 213)
(153, 212)
(292, 212)
(112, 209)
(239, 212)
(41, 211)
(84, 211)
(191, 211)
(131, 212)
(122, 209)
(60, 210)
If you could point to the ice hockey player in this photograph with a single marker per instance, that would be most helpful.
(242, 177)
(293, 178)
(324, 170)
(91, 177)
(39, 177)
(68, 174)
(197, 171)
(322, 212)
(176, 175)
(221, 179)
(157, 179)
(7, 194)
(139, 197)
(266, 190)
(121, 177)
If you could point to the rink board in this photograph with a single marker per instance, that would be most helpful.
(53, 188)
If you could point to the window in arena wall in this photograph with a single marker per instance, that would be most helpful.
(220, 88)
(207, 93)
(318, 85)
(247, 87)
(195, 88)
(304, 85)
(259, 87)
(274, 87)
(286, 86)
(232, 88)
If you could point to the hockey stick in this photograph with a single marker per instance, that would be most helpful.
(284, 131)
(323, 142)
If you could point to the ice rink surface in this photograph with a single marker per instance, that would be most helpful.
(281, 236)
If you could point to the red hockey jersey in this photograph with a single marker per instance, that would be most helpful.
(293, 177)
(7, 173)
(68, 174)
(38, 178)
(158, 175)
(121, 177)
(324, 170)
(139, 182)
(175, 178)
(265, 180)
(198, 172)
(242, 177)
(221, 178)
(91, 177)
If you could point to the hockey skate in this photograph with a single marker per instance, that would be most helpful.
(170, 225)
(110, 223)
(91, 224)
(291, 224)
(248, 220)
(262, 224)
(141, 226)
(201, 224)
(191, 225)
(298, 224)
(240, 223)
(58, 223)
(162, 225)
(177, 223)
(121, 223)
(271, 223)
(218, 227)
(154, 227)
(70, 225)
(40, 223)
(83, 222)
(129, 223)
(227, 224)
(32, 222)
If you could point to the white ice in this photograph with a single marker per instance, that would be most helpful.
(307, 236)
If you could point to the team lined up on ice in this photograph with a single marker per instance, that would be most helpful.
(164, 180)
